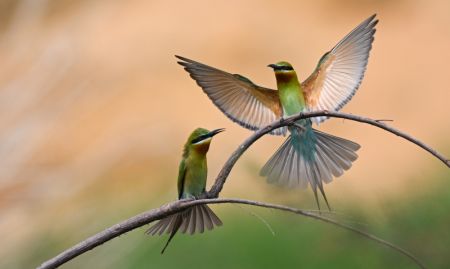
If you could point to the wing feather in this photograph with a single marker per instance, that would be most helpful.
(237, 97)
(181, 178)
(340, 71)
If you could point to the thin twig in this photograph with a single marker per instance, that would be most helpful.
(321, 218)
(265, 222)
(226, 169)
(380, 120)
(177, 206)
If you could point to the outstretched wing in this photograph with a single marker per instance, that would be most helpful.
(340, 71)
(237, 97)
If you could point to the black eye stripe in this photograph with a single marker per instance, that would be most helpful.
(200, 138)
(283, 67)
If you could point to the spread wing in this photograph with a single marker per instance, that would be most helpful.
(237, 97)
(340, 71)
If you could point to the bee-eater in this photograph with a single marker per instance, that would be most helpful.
(307, 156)
(192, 175)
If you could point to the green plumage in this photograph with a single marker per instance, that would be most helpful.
(307, 157)
(192, 174)
(289, 90)
(193, 167)
(293, 102)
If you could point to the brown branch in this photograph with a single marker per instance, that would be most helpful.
(310, 214)
(177, 206)
(226, 169)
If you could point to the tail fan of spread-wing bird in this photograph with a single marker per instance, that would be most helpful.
(310, 157)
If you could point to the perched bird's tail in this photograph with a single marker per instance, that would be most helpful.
(191, 220)
(311, 157)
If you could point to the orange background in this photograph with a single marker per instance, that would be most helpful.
(94, 110)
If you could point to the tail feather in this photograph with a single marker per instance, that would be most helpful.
(207, 220)
(174, 226)
(301, 180)
(310, 157)
(209, 224)
(325, 171)
(280, 157)
(287, 166)
(320, 178)
(200, 223)
(335, 169)
(158, 226)
(185, 225)
(192, 220)
(214, 218)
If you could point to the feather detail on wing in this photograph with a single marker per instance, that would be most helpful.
(340, 71)
(250, 105)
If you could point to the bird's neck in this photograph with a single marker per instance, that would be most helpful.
(290, 92)
(199, 151)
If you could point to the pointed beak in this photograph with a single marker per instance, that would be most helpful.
(216, 131)
(272, 66)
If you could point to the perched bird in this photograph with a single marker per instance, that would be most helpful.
(191, 183)
(308, 156)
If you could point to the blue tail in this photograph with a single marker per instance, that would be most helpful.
(309, 156)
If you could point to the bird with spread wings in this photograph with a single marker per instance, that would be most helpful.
(308, 156)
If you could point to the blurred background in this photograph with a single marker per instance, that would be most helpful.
(94, 112)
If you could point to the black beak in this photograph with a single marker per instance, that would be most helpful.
(274, 66)
(214, 132)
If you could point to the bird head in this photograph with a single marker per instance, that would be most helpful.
(284, 73)
(200, 139)
(281, 67)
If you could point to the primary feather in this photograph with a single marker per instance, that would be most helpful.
(340, 71)
(244, 102)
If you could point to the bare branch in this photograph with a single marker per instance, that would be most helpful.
(177, 206)
(180, 205)
(226, 169)
(309, 214)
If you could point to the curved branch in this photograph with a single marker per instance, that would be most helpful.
(177, 206)
(226, 169)
(180, 205)
(309, 214)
